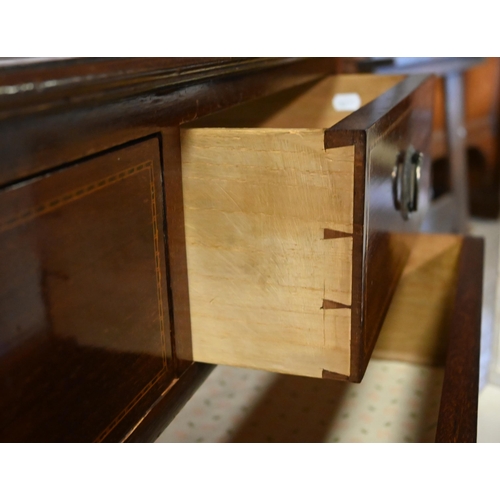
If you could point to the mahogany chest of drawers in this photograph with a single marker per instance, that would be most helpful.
(161, 215)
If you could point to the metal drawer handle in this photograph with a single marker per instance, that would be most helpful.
(405, 181)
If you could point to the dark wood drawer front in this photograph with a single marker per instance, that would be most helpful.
(85, 342)
(382, 132)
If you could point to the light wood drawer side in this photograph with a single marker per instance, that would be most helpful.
(268, 217)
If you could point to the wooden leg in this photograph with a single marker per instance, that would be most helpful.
(456, 134)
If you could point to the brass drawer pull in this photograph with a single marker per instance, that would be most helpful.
(405, 181)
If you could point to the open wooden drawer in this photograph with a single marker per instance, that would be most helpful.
(293, 206)
(435, 319)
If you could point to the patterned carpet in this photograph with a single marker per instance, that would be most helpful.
(396, 402)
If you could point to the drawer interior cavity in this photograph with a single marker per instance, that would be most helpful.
(317, 105)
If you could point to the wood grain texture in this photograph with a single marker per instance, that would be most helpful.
(459, 400)
(416, 325)
(256, 206)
